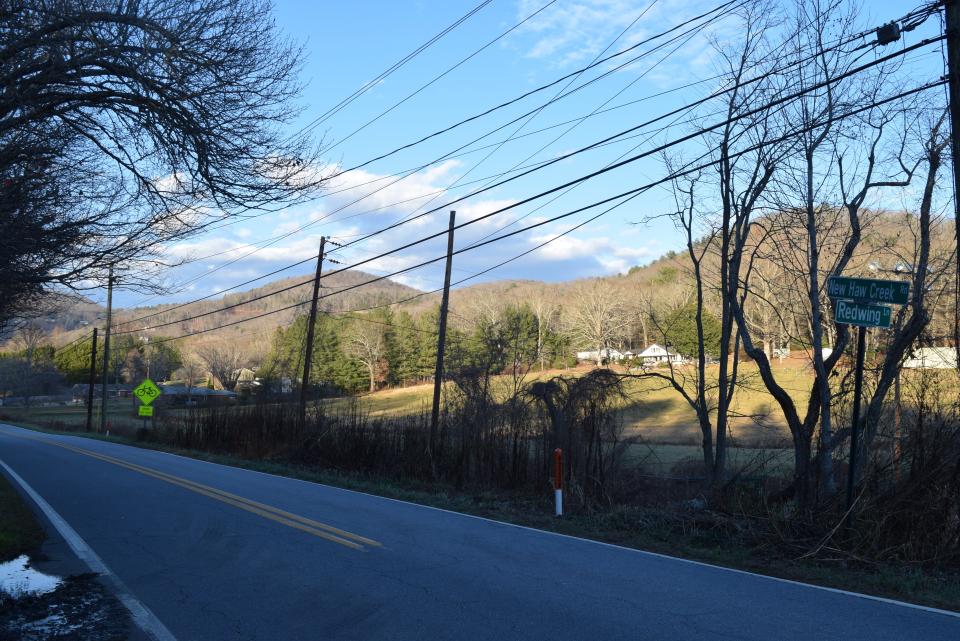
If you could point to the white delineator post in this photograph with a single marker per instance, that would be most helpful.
(558, 481)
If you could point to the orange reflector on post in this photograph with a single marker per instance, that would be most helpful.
(558, 481)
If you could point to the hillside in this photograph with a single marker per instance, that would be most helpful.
(663, 283)
(73, 319)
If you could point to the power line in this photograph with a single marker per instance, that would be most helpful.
(626, 196)
(918, 16)
(435, 79)
(634, 158)
(658, 149)
(329, 113)
(541, 87)
(404, 175)
(559, 94)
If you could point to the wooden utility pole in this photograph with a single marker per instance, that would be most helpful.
(308, 353)
(93, 380)
(952, 10)
(441, 339)
(106, 353)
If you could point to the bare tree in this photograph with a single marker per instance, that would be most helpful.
(366, 342)
(225, 362)
(125, 125)
(843, 146)
(28, 338)
(596, 316)
(546, 312)
(712, 209)
(191, 372)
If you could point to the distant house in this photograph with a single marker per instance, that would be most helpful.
(932, 358)
(607, 354)
(80, 391)
(181, 396)
(656, 354)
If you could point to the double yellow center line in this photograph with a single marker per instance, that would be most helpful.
(302, 523)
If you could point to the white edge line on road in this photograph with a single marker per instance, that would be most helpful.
(141, 614)
(658, 555)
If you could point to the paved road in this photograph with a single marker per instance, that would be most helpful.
(222, 553)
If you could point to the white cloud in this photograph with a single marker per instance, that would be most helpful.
(608, 254)
(576, 32)
(565, 258)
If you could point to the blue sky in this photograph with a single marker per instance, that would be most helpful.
(348, 43)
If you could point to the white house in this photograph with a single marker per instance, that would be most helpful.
(932, 358)
(608, 354)
(657, 354)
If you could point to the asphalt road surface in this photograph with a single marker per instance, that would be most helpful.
(222, 553)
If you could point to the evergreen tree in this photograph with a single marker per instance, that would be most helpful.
(680, 330)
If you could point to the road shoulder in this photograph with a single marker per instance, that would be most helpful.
(85, 606)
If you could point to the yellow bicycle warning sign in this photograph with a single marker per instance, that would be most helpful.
(147, 391)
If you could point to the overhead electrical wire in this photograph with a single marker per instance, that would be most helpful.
(332, 111)
(631, 159)
(855, 70)
(561, 92)
(672, 143)
(543, 87)
(311, 223)
(629, 194)
(915, 21)
(449, 154)
(433, 80)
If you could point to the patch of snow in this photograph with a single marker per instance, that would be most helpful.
(18, 579)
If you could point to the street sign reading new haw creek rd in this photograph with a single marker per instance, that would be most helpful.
(147, 391)
(868, 290)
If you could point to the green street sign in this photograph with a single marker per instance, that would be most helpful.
(869, 290)
(861, 314)
(145, 410)
(147, 391)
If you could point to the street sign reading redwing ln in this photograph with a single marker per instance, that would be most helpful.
(861, 314)
(869, 290)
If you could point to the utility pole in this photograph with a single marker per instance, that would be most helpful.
(855, 424)
(93, 380)
(441, 339)
(106, 353)
(308, 352)
(952, 11)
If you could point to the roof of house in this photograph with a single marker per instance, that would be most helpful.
(195, 391)
(657, 350)
(932, 358)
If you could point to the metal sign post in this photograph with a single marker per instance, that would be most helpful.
(855, 419)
